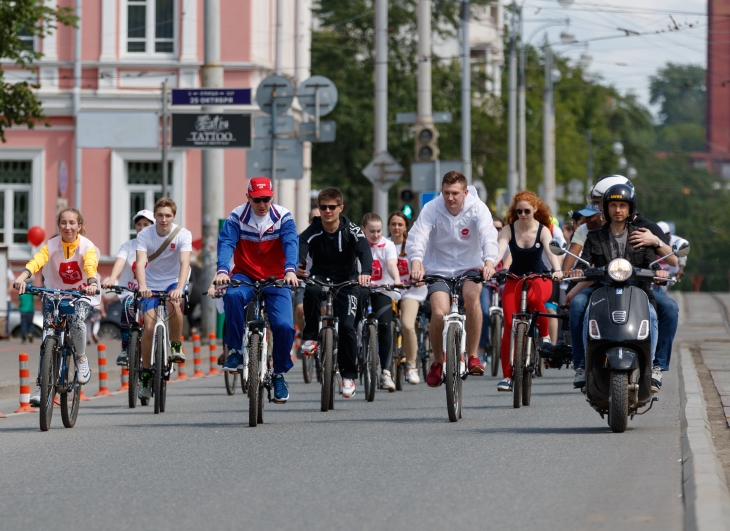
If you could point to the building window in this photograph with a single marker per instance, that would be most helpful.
(15, 191)
(27, 39)
(144, 183)
(150, 26)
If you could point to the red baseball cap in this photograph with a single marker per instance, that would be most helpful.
(260, 187)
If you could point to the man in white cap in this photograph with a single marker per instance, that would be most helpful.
(124, 272)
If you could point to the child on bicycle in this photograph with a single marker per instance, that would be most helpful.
(163, 266)
(124, 271)
(385, 273)
(69, 262)
(261, 240)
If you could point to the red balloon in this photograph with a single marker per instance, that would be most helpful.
(36, 235)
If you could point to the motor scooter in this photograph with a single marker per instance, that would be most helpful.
(618, 337)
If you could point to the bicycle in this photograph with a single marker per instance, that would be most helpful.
(58, 358)
(496, 328)
(328, 340)
(524, 341)
(134, 348)
(397, 358)
(368, 352)
(230, 379)
(161, 360)
(454, 340)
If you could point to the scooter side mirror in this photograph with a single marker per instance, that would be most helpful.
(681, 248)
(556, 248)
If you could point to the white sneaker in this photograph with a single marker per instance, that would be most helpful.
(82, 368)
(348, 388)
(656, 379)
(310, 348)
(412, 376)
(386, 382)
(505, 385)
(35, 398)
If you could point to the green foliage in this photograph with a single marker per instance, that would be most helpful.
(18, 103)
(681, 92)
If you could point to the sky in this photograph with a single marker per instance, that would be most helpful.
(626, 62)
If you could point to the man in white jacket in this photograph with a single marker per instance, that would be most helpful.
(453, 235)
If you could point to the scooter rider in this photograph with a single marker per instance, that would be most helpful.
(612, 241)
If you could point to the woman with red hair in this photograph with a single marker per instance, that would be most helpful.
(527, 234)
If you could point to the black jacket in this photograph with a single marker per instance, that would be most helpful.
(335, 255)
(597, 250)
(640, 222)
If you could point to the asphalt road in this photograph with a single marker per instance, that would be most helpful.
(396, 463)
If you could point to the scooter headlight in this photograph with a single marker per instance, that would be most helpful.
(620, 269)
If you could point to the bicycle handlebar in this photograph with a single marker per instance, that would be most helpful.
(328, 284)
(39, 291)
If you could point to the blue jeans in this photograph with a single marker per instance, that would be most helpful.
(653, 323)
(279, 312)
(485, 298)
(668, 315)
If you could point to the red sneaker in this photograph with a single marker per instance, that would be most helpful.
(475, 367)
(435, 375)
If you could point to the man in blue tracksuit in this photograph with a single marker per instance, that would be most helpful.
(261, 241)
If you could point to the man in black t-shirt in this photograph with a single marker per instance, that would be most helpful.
(335, 245)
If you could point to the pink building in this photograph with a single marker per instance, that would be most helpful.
(129, 48)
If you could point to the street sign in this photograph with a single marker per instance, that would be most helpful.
(428, 175)
(262, 126)
(317, 91)
(383, 171)
(442, 117)
(204, 131)
(208, 96)
(275, 92)
(425, 197)
(288, 158)
(327, 131)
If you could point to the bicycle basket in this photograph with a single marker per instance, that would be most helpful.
(66, 308)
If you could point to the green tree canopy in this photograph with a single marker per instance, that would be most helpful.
(681, 92)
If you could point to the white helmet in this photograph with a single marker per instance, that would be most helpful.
(595, 195)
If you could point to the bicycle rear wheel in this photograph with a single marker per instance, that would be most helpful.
(157, 374)
(48, 381)
(69, 412)
(371, 364)
(231, 382)
(452, 376)
(496, 327)
(133, 363)
(518, 368)
(327, 368)
(254, 355)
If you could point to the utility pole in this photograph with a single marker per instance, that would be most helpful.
(548, 133)
(465, 91)
(512, 175)
(212, 182)
(285, 188)
(380, 195)
(77, 106)
(522, 158)
(164, 139)
(302, 65)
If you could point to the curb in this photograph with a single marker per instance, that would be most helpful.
(706, 495)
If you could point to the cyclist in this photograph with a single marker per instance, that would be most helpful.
(453, 235)
(163, 266)
(335, 245)
(410, 299)
(527, 235)
(385, 273)
(124, 271)
(677, 270)
(69, 262)
(261, 240)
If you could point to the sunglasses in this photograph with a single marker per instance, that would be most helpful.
(258, 200)
(527, 211)
(329, 207)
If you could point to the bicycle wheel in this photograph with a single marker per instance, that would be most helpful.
(518, 368)
(537, 360)
(528, 374)
(133, 363)
(496, 326)
(157, 374)
(307, 367)
(399, 367)
(452, 376)
(48, 381)
(69, 412)
(254, 355)
(371, 364)
(230, 380)
(327, 369)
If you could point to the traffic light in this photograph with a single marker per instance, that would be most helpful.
(405, 201)
(427, 149)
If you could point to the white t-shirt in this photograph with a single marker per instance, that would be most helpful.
(128, 276)
(580, 235)
(382, 251)
(164, 270)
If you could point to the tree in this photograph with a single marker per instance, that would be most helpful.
(681, 92)
(18, 104)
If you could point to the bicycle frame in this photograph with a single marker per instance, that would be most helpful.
(161, 328)
(258, 326)
(455, 317)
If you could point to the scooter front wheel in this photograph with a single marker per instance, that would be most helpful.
(618, 402)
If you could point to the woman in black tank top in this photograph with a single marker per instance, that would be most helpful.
(528, 235)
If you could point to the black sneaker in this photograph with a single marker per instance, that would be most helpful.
(145, 384)
(177, 356)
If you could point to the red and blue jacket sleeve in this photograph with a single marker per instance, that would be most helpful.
(227, 240)
(290, 244)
